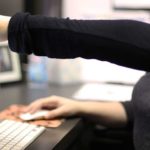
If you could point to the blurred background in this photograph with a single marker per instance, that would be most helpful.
(37, 71)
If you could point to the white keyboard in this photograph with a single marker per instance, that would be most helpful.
(17, 135)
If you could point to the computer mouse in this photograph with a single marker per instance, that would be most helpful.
(35, 116)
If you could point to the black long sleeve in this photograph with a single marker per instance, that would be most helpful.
(123, 42)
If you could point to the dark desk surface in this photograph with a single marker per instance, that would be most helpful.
(60, 138)
(52, 138)
(24, 93)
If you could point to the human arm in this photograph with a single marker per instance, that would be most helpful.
(124, 42)
(4, 21)
(111, 114)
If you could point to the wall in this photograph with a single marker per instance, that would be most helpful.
(9, 7)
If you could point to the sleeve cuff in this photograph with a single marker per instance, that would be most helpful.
(18, 35)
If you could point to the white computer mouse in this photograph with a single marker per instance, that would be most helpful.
(37, 115)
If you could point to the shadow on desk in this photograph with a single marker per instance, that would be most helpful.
(112, 139)
(79, 134)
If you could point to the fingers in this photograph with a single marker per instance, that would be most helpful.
(58, 107)
(48, 102)
(33, 107)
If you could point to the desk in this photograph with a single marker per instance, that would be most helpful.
(60, 138)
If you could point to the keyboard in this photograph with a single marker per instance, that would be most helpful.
(18, 135)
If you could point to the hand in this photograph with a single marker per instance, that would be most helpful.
(4, 21)
(58, 106)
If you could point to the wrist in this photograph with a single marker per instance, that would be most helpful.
(81, 108)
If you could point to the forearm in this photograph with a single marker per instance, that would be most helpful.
(117, 41)
(4, 21)
(110, 114)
